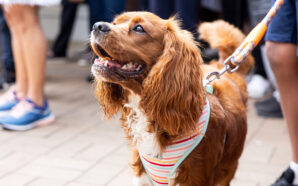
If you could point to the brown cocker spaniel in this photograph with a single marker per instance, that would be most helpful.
(151, 71)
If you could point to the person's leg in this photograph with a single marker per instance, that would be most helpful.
(143, 5)
(18, 54)
(68, 16)
(7, 100)
(33, 47)
(104, 10)
(281, 48)
(34, 40)
(96, 9)
(284, 63)
(163, 9)
(235, 12)
(30, 45)
(6, 51)
(187, 10)
(112, 8)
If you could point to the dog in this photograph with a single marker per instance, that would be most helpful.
(151, 71)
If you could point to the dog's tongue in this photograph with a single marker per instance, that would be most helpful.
(108, 63)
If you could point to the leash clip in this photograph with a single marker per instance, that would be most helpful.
(217, 74)
(228, 67)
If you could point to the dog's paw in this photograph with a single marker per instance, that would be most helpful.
(143, 180)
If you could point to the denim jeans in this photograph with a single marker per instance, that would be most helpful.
(187, 11)
(68, 16)
(104, 10)
(6, 51)
(100, 10)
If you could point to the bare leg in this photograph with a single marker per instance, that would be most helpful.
(284, 63)
(19, 59)
(35, 55)
(25, 22)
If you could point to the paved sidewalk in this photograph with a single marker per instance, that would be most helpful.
(84, 149)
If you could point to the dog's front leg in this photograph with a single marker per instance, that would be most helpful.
(140, 177)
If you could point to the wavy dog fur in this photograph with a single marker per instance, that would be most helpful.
(167, 99)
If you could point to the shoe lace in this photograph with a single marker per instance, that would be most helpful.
(21, 108)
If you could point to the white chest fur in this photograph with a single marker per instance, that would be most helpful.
(145, 141)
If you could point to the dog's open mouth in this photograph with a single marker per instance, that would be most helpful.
(106, 64)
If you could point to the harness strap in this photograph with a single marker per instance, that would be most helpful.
(157, 180)
(199, 139)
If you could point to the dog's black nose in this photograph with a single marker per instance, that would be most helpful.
(101, 27)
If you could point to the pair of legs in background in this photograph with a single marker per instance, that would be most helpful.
(281, 48)
(99, 10)
(24, 106)
(8, 70)
(187, 10)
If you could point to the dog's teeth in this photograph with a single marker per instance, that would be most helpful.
(129, 65)
(139, 67)
(124, 67)
(106, 63)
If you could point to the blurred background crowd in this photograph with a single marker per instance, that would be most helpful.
(243, 14)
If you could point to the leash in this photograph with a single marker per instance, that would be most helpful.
(250, 42)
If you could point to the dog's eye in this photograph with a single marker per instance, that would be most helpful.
(138, 29)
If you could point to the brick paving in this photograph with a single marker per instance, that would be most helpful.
(83, 149)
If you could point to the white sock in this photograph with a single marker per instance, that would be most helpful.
(294, 167)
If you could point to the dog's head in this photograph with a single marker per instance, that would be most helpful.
(154, 58)
(128, 47)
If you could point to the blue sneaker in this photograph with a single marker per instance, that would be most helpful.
(8, 101)
(27, 115)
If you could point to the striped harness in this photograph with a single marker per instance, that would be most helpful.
(160, 171)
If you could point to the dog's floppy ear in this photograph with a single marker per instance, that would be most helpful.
(110, 96)
(173, 97)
